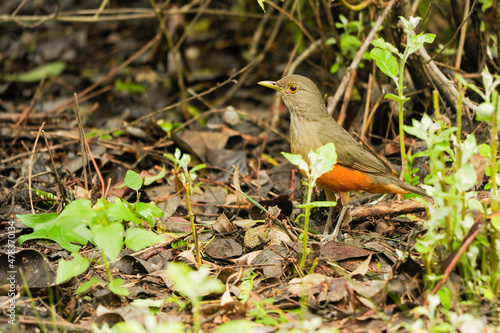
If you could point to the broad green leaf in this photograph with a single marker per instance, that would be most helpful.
(109, 239)
(298, 161)
(382, 44)
(138, 239)
(76, 213)
(121, 213)
(52, 69)
(323, 160)
(149, 211)
(485, 150)
(386, 62)
(116, 287)
(86, 285)
(193, 284)
(71, 268)
(40, 221)
(133, 180)
(416, 42)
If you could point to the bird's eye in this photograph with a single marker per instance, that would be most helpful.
(293, 88)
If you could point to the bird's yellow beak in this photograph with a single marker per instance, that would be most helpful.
(270, 84)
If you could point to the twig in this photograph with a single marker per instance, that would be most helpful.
(81, 131)
(347, 97)
(442, 83)
(30, 171)
(456, 32)
(69, 102)
(58, 179)
(461, 42)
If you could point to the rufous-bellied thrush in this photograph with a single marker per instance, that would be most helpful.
(311, 126)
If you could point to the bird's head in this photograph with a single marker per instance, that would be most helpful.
(299, 93)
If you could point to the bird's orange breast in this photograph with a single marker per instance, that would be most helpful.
(343, 179)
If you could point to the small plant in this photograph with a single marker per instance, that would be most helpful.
(350, 41)
(101, 225)
(383, 54)
(320, 162)
(452, 176)
(185, 177)
(262, 315)
(193, 285)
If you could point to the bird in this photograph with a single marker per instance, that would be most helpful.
(311, 127)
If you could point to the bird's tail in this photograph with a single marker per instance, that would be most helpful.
(394, 185)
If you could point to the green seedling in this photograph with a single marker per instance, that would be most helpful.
(264, 316)
(451, 215)
(350, 41)
(102, 225)
(187, 176)
(320, 162)
(385, 55)
(193, 285)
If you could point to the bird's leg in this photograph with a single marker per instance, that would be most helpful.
(344, 196)
(330, 196)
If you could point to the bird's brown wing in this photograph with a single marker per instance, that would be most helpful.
(350, 153)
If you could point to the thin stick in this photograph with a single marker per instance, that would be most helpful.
(58, 179)
(463, 33)
(30, 171)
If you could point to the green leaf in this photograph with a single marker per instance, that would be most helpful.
(71, 268)
(495, 221)
(86, 285)
(193, 284)
(298, 161)
(133, 180)
(331, 41)
(382, 44)
(52, 69)
(318, 204)
(239, 326)
(109, 239)
(149, 211)
(120, 213)
(116, 287)
(485, 112)
(76, 213)
(131, 87)
(386, 62)
(393, 97)
(198, 167)
(147, 303)
(261, 4)
(323, 160)
(485, 150)
(40, 221)
(416, 42)
(350, 43)
(148, 180)
(138, 239)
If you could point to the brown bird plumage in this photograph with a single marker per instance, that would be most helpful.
(312, 126)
